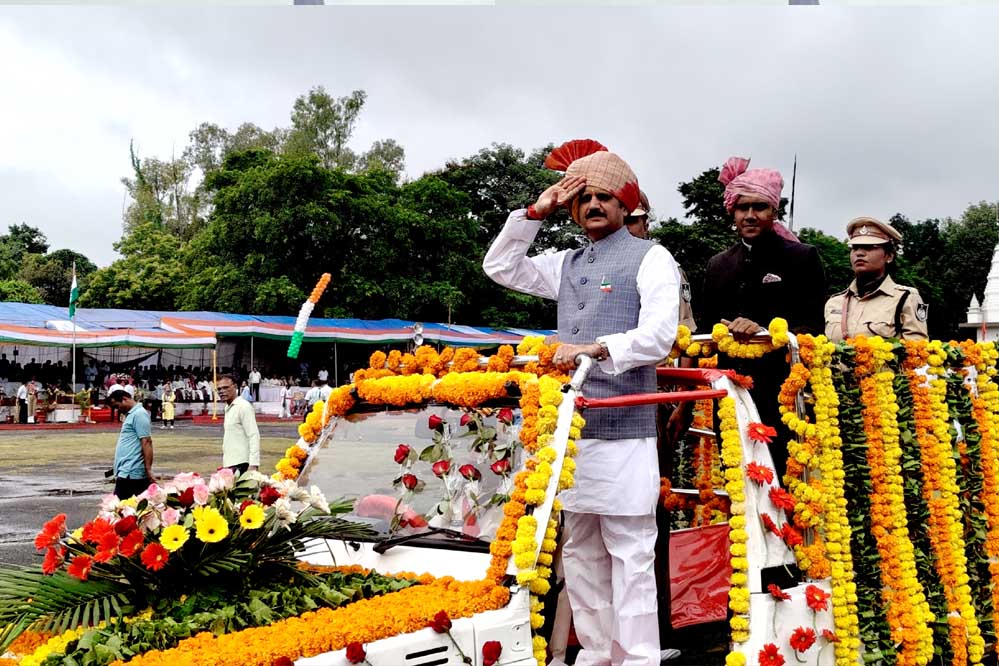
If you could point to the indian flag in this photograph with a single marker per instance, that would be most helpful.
(74, 294)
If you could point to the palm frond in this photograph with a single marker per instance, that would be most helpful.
(59, 602)
(10, 632)
(223, 562)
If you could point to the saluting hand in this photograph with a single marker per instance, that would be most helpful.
(559, 194)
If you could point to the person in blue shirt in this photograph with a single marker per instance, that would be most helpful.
(133, 455)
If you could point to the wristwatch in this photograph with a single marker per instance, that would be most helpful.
(604, 352)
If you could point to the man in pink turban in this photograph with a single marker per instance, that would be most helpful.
(618, 301)
(766, 274)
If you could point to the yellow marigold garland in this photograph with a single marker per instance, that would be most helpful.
(731, 457)
(907, 610)
(727, 344)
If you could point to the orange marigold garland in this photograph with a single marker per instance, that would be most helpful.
(907, 610)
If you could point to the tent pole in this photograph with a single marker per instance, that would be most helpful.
(251, 354)
(215, 416)
(336, 366)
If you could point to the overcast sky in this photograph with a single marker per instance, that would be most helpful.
(889, 110)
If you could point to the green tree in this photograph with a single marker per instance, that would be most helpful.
(149, 276)
(19, 291)
(322, 125)
(20, 241)
(52, 274)
(835, 256)
(384, 155)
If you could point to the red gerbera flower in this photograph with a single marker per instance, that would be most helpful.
(154, 556)
(132, 543)
(759, 473)
(816, 598)
(107, 547)
(441, 623)
(53, 560)
(802, 638)
(79, 566)
(830, 636)
(761, 433)
(770, 656)
(777, 593)
(52, 531)
(356, 653)
(769, 523)
(791, 536)
(95, 529)
(782, 499)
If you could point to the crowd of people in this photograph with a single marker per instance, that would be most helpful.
(620, 300)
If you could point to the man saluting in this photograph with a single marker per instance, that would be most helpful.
(618, 301)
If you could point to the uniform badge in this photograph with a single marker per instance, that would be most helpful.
(770, 278)
(863, 230)
(605, 285)
(922, 311)
(685, 292)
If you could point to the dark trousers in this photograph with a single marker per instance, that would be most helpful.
(240, 469)
(22, 410)
(125, 488)
(255, 390)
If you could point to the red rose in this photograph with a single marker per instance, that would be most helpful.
(441, 623)
(501, 467)
(125, 525)
(402, 453)
(435, 422)
(505, 416)
(187, 497)
(466, 420)
(470, 472)
(491, 651)
(283, 661)
(356, 653)
(410, 481)
(269, 495)
(441, 468)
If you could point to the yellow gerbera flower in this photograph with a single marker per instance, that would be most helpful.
(173, 537)
(211, 526)
(252, 517)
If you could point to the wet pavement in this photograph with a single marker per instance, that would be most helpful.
(48, 472)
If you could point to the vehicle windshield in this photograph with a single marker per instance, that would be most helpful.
(437, 471)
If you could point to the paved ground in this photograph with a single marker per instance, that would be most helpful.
(47, 472)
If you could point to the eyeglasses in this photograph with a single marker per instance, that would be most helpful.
(757, 206)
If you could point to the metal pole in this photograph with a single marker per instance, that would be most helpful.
(336, 366)
(251, 354)
(214, 381)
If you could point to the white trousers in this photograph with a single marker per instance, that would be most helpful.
(611, 581)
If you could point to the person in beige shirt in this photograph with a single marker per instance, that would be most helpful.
(874, 304)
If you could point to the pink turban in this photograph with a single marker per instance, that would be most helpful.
(763, 183)
(602, 169)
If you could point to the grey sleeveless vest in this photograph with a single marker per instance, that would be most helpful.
(598, 296)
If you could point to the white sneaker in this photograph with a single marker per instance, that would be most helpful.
(171, 427)
(162, 427)
(668, 654)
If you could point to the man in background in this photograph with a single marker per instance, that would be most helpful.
(133, 455)
(241, 437)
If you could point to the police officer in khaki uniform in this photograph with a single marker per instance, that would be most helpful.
(874, 304)
(638, 224)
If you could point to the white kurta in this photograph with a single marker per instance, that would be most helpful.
(613, 477)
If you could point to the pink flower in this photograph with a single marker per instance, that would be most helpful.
(201, 494)
(170, 516)
(154, 493)
(441, 468)
(221, 480)
(185, 480)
